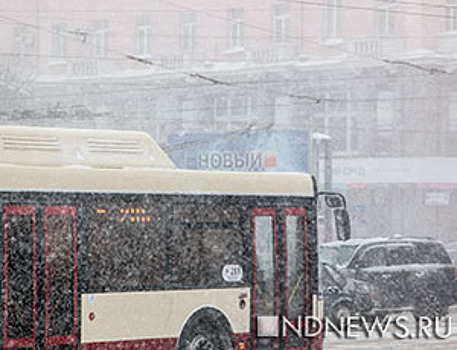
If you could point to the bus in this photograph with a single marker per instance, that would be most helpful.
(106, 245)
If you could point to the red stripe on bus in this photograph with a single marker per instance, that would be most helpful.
(62, 339)
(46, 268)
(254, 277)
(156, 344)
(318, 342)
(75, 276)
(19, 211)
(242, 338)
(142, 344)
(5, 274)
(19, 343)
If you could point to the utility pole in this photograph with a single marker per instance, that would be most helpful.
(321, 162)
(321, 167)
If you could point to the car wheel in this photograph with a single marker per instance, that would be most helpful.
(432, 307)
(340, 313)
(205, 333)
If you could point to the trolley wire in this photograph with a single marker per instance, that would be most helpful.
(314, 42)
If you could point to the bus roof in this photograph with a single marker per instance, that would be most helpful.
(48, 159)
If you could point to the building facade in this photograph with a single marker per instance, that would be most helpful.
(378, 76)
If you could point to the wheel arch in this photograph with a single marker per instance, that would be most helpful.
(215, 313)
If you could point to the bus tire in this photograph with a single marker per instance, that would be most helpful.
(207, 330)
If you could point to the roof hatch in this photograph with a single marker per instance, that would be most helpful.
(34, 146)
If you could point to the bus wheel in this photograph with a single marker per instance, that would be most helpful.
(205, 333)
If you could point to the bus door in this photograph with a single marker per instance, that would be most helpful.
(296, 273)
(265, 278)
(19, 277)
(60, 324)
(22, 297)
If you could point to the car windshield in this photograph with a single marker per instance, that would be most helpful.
(337, 255)
(331, 276)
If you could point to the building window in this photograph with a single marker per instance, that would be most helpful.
(188, 31)
(220, 108)
(188, 110)
(385, 118)
(236, 28)
(238, 106)
(385, 112)
(281, 22)
(235, 107)
(58, 41)
(453, 116)
(333, 19)
(385, 17)
(341, 123)
(23, 40)
(283, 110)
(451, 13)
(101, 38)
(144, 36)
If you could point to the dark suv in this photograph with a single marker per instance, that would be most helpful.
(406, 274)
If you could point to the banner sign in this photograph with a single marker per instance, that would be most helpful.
(285, 151)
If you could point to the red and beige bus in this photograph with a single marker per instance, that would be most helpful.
(106, 245)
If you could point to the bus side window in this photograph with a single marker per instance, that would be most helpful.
(185, 256)
(20, 271)
(265, 269)
(296, 274)
(60, 267)
(204, 239)
(127, 246)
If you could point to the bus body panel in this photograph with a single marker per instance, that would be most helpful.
(92, 335)
(162, 314)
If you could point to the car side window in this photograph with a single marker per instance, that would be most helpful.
(373, 257)
(401, 255)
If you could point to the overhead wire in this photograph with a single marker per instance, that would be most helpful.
(150, 62)
(215, 81)
(364, 8)
(126, 56)
(256, 104)
(420, 4)
(319, 44)
(145, 88)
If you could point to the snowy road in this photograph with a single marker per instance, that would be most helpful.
(390, 342)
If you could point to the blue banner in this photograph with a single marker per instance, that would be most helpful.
(284, 151)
